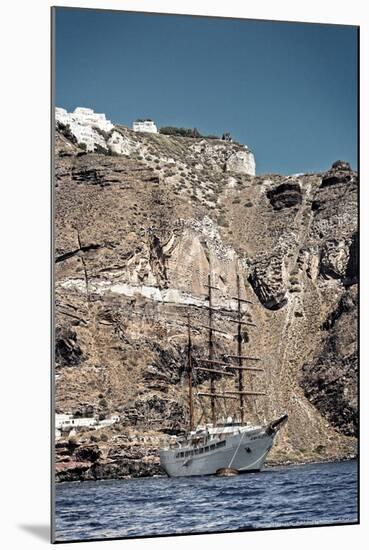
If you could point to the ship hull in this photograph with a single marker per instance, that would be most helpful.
(243, 452)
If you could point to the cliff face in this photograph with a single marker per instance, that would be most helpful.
(136, 236)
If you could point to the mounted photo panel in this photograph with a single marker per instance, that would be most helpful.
(205, 280)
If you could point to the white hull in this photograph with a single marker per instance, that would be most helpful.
(244, 451)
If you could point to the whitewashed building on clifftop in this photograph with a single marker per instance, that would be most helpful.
(85, 124)
(146, 125)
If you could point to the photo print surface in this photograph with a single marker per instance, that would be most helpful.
(205, 204)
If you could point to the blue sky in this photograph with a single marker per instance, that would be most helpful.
(288, 91)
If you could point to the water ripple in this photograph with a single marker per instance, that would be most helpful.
(298, 495)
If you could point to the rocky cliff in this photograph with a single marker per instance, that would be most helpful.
(137, 230)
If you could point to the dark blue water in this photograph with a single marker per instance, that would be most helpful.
(286, 496)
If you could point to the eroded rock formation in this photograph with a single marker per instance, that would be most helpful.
(136, 236)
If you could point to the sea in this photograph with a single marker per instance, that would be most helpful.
(288, 496)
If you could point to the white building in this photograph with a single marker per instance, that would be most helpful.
(146, 125)
(85, 124)
(67, 423)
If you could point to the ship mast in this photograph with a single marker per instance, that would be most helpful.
(189, 373)
(239, 350)
(239, 356)
(239, 393)
(210, 352)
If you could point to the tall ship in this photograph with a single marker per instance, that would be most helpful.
(228, 444)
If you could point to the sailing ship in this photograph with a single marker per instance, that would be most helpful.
(228, 445)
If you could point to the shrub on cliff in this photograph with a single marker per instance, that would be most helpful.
(100, 150)
(103, 133)
(222, 221)
(66, 131)
(183, 132)
(341, 165)
(103, 402)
